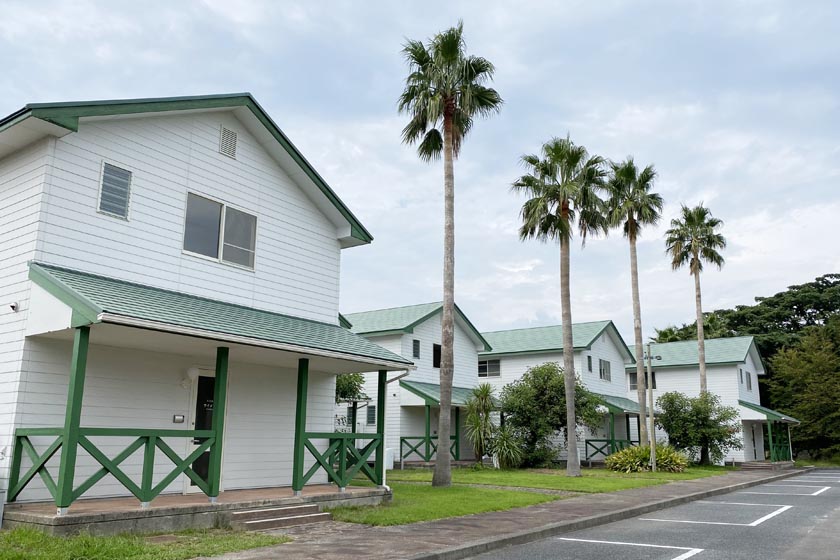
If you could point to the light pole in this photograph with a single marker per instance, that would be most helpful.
(651, 433)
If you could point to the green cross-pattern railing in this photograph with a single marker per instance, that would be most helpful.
(418, 445)
(342, 460)
(148, 439)
(606, 446)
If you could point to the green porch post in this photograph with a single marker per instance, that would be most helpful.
(457, 434)
(300, 426)
(379, 467)
(428, 456)
(612, 432)
(770, 441)
(214, 470)
(72, 420)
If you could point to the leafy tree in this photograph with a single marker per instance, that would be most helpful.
(715, 325)
(806, 385)
(692, 239)
(535, 408)
(348, 387)
(700, 423)
(563, 183)
(479, 421)
(633, 205)
(444, 92)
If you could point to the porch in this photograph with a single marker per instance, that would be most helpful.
(619, 411)
(422, 449)
(264, 431)
(776, 443)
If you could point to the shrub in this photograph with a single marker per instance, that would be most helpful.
(637, 459)
(508, 448)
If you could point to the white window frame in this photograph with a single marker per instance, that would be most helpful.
(741, 375)
(749, 381)
(221, 248)
(119, 165)
(415, 348)
(589, 363)
(602, 370)
(487, 368)
(634, 387)
(370, 407)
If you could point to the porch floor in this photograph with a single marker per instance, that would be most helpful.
(170, 512)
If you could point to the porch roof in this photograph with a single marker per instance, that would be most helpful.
(430, 392)
(99, 299)
(620, 405)
(769, 413)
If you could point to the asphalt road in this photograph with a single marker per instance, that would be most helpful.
(794, 518)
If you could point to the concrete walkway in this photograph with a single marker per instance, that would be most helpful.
(460, 537)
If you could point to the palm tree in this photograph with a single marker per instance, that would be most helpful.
(692, 239)
(563, 183)
(444, 91)
(633, 205)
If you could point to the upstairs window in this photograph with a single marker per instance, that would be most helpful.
(589, 363)
(436, 355)
(749, 381)
(371, 415)
(604, 370)
(215, 230)
(741, 376)
(631, 376)
(115, 191)
(415, 348)
(489, 368)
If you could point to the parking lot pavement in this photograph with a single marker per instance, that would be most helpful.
(796, 518)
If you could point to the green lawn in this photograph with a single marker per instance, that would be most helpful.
(415, 502)
(29, 544)
(592, 481)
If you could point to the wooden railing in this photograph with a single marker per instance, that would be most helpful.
(149, 439)
(606, 446)
(426, 448)
(342, 460)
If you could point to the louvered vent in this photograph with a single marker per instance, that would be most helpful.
(227, 143)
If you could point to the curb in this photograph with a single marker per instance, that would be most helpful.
(552, 529)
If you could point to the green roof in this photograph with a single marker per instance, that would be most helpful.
(67, 115)
(90, 296)
(620, 405)
(546, 339)
(430, 392)
(399, 320)
(769, 413)
(719, 351)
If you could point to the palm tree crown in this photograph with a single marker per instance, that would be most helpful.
(444, 86)
(563, 184)
(632, 204)
(693, 239)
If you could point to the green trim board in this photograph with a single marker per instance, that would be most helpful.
(770, 414)
(619, 405)
(92, 296)
(67, 115)
(533, 340)
(401, 320)
(719, 351)
(430, 392)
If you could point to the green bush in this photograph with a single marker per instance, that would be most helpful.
(507, 448)
(637, 459)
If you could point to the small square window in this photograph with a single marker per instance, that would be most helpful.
(489, 368)
(371, 415)
(604, 370)
(632, 380)
(115, 191)
(220, 232)
(415, 348)
(436, 356)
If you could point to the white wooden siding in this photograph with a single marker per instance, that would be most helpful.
(142, 389)
(22, 175)
(297, 253)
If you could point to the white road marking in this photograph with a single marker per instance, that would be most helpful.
(817, 493)
(755, 523)
(689, 552)
(798, 485)
(741, 504)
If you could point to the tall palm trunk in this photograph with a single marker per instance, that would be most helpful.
(443, 471)
(637, 334)
(573, 459)
(701, 343)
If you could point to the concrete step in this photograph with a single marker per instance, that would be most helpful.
(280, 522)
(273, 512)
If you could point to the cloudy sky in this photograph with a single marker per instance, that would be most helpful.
(737, 103)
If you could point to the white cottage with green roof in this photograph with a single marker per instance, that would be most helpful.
(414, 332)
(600, 356)
(169, 320)
(733, 366)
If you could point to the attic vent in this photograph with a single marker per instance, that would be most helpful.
(227, 143)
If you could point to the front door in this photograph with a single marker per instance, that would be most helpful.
(202, 419)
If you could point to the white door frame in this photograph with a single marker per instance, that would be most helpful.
(189, 447)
